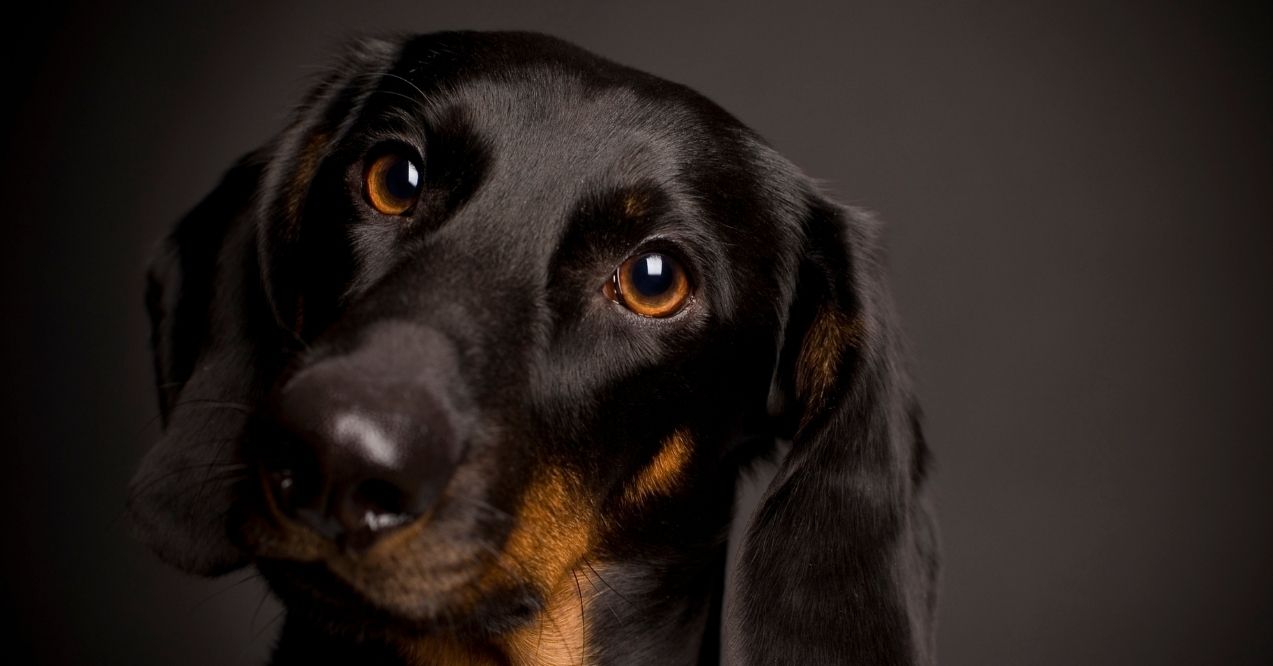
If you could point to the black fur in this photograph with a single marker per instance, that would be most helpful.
(545, 167)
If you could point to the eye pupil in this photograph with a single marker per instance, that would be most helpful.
(650, 277)
(402, 179)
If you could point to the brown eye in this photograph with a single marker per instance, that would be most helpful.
(651, 285)
(393, 184)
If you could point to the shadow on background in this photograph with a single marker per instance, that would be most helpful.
(1080, 201)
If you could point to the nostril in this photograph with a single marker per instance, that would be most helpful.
(328, 498)
(375, 504)
(282, 486)
(294, 480)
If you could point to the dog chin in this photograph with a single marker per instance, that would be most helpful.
(317, 596)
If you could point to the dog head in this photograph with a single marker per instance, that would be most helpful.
(492, 309)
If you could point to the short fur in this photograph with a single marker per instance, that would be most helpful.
(585, 516)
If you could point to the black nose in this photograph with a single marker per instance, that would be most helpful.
(370, 438)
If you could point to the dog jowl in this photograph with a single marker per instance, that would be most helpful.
(467, 361)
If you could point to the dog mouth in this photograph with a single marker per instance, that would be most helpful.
(315, 591)
(357, 548)
(399, 578)
(318, 596)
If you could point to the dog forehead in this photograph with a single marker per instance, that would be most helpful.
(550, 112)
(556, 130)
(546, 121)
(553, 142)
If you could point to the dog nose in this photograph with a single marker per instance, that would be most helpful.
(369, 444)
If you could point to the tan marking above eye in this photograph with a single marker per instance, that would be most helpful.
(651, 284)
(665, 472)
(634, 205)
(392, 183)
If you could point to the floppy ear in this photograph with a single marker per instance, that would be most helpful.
(202, 298)
(221, 324)
(183, 277)
(839, 563)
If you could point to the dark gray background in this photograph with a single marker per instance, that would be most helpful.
(1079, 206)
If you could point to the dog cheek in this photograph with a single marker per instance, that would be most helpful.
(560, 634)
(556, 527)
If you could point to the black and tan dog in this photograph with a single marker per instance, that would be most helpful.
(468, 359)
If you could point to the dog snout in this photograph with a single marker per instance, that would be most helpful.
(369, 439)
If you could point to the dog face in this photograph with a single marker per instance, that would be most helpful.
(492, 310)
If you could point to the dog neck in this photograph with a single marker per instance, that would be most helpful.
(652, 609)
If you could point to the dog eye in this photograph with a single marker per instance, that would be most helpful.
(393, 183)
(651, 285)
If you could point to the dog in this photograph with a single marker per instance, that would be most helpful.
(468, 362)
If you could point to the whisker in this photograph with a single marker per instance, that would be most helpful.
(407, 81)
(228, 474)
(397, 94)
(597, 593)
(493, 510)
(583, 617)
(255, 637)
(222, 465)
(203, 402)
(499, 561)
(223, 590)
(259, 605)
(212, 464)
(214, 402)
(421, 103)
(539, 641)
(601, 578)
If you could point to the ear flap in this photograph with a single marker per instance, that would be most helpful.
(840, 562)
(219, 329)
(180, 281)
(203, 297)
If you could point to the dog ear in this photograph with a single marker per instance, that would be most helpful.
(202, 299)
(219, 329)
(839, 563)
(183, 277)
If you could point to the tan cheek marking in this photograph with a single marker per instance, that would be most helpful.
(664, 473)
(554, 529)
(556, 525)
(559, 636)
(444, 650)
(830, 334)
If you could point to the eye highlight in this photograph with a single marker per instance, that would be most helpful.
(651, 285)
(392, 183)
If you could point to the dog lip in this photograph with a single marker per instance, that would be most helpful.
(320, 593)
(356, 540)
(358, 565)
(324, 593)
